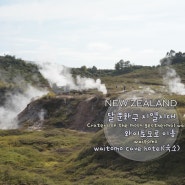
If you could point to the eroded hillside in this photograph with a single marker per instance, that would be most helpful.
(64, 111)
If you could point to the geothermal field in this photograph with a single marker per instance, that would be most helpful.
(57, 125)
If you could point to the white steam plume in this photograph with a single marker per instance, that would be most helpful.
(14, 105)
(41, 115)
(61, 76)
(89, 83)
(173, 82)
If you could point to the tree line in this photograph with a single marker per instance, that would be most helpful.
(173, 58)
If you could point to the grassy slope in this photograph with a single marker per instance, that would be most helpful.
(145, 76)
(38, 157)
(109, 168)
(62, 156)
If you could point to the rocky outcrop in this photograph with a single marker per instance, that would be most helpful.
(66, 111)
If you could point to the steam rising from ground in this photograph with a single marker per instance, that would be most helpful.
(15, 104)
(89, 83)
(173, 82)
(61, 76)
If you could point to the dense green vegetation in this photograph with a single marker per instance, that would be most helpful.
(16, 72)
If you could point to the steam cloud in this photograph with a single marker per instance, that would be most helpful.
(57, 74)
(61, 76)
(173, 82)
(41, 115)
(15, 104)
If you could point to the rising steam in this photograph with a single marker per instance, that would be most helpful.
(15, 104)
(61, 76)
(173, 82)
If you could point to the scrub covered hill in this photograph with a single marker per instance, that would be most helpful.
(16, 72)
(16, 75)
